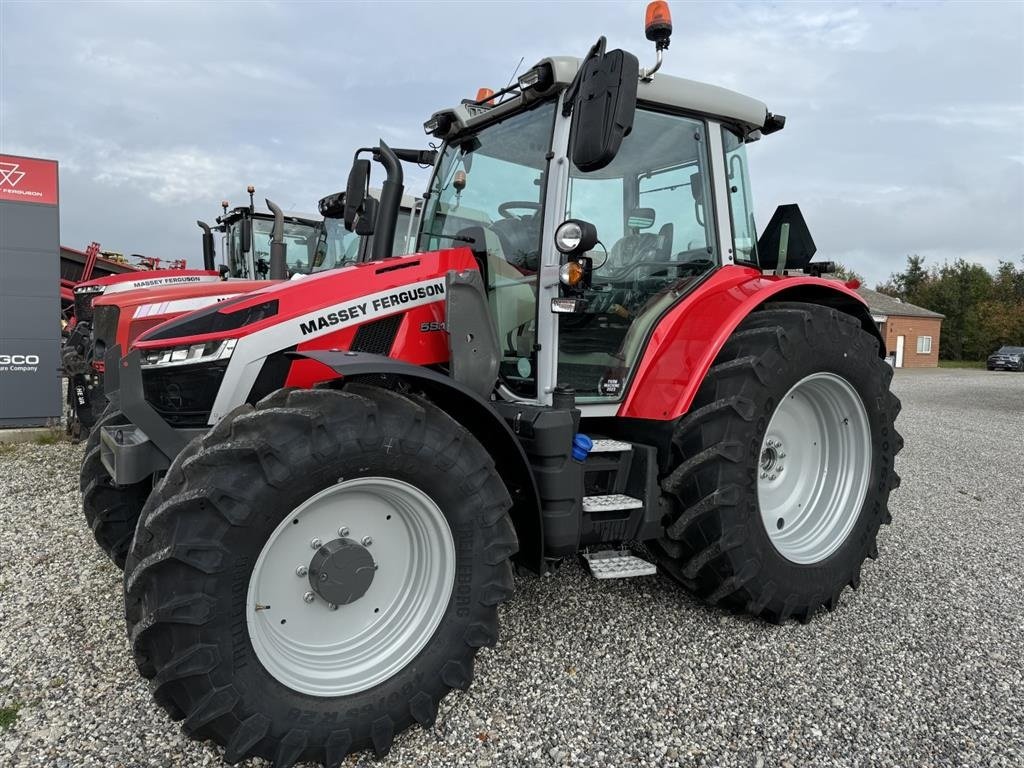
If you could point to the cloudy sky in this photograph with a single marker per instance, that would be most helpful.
(905, 131)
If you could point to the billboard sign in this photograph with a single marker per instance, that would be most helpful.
(29, 299)
(28, 180)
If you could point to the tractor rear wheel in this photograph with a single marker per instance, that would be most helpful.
(784, 465)
(318, 573)
(111, 511)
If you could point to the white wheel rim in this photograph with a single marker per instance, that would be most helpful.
(815, 466)
(321, 650)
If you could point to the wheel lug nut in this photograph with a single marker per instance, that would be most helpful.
(315, 543)
(343, 531)
(782, 455)
(309, 597)
(367, 541)
(301, 571)
(764, 475)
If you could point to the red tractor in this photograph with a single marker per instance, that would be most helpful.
(312, 244)
(591, 354)
(295, 246)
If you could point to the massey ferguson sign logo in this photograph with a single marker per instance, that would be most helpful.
(26, 180)
(10, 175)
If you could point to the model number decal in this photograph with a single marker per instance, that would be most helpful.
(432, 326)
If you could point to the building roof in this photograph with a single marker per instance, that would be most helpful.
(882, 304)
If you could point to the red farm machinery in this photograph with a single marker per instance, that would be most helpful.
(319, 489)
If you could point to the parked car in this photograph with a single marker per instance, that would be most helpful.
(1006, 359)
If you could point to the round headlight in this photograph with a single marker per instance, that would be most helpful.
(568, 236)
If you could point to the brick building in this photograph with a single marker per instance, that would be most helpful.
(911, 333)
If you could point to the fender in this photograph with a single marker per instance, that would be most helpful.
(475, 414)
(685, 342)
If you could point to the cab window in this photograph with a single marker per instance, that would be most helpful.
(489, 190)
(652, 209)
(741, 207)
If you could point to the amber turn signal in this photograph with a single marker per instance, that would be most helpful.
(571, 273)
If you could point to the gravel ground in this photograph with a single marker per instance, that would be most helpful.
(923, 666)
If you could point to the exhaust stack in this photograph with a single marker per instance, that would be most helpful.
(278, 265)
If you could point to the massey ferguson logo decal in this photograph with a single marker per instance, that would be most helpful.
(166, 281)
(10, 175)
(360, 310)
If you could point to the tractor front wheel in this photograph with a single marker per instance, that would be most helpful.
(111, 511)
(784, 465)
(318, 573)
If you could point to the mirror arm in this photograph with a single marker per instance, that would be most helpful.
(569, 99)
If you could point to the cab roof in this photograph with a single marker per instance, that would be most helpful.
(669, 90)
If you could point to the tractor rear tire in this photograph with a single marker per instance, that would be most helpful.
(221, 613)
(111, 511)
(743, 532)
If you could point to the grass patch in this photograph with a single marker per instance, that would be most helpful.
(52, 436)
(961, 363)
(8, 715)
(6, 448)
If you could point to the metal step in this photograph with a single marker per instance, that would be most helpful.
(616, 564)
(610, 502)
(606, 445)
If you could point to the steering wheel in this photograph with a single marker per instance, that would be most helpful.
(505, 209)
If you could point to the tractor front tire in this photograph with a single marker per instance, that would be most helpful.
(318, 572)
(111, 511)
(783, 465)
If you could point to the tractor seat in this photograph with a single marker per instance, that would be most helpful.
(520, 241)
(642, 246)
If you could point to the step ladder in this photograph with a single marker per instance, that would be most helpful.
(609, 455)
(617, 564)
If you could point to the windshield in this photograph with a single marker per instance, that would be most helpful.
(310, 246)
(336, 247)
(1010, 351)
(652, 209)
(489, 189)
(302, 244)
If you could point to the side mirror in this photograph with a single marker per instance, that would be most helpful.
(367, 218)
(605, 104)
(333, 206)
(246, 223)
(356, 191)
(209, 256)
(786, 242)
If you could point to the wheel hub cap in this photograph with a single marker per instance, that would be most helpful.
(814, 468)
(341, 571)
(368, 600)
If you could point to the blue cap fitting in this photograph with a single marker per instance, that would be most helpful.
(581, 446)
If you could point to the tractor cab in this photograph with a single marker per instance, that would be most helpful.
(594, 194)
(312, 243)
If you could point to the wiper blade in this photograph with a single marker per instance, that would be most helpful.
(459, 238)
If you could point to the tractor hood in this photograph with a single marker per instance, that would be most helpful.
(174, 298)
(301, 311)
(150, 278)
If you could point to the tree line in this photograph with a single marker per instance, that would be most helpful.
(983, 310)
